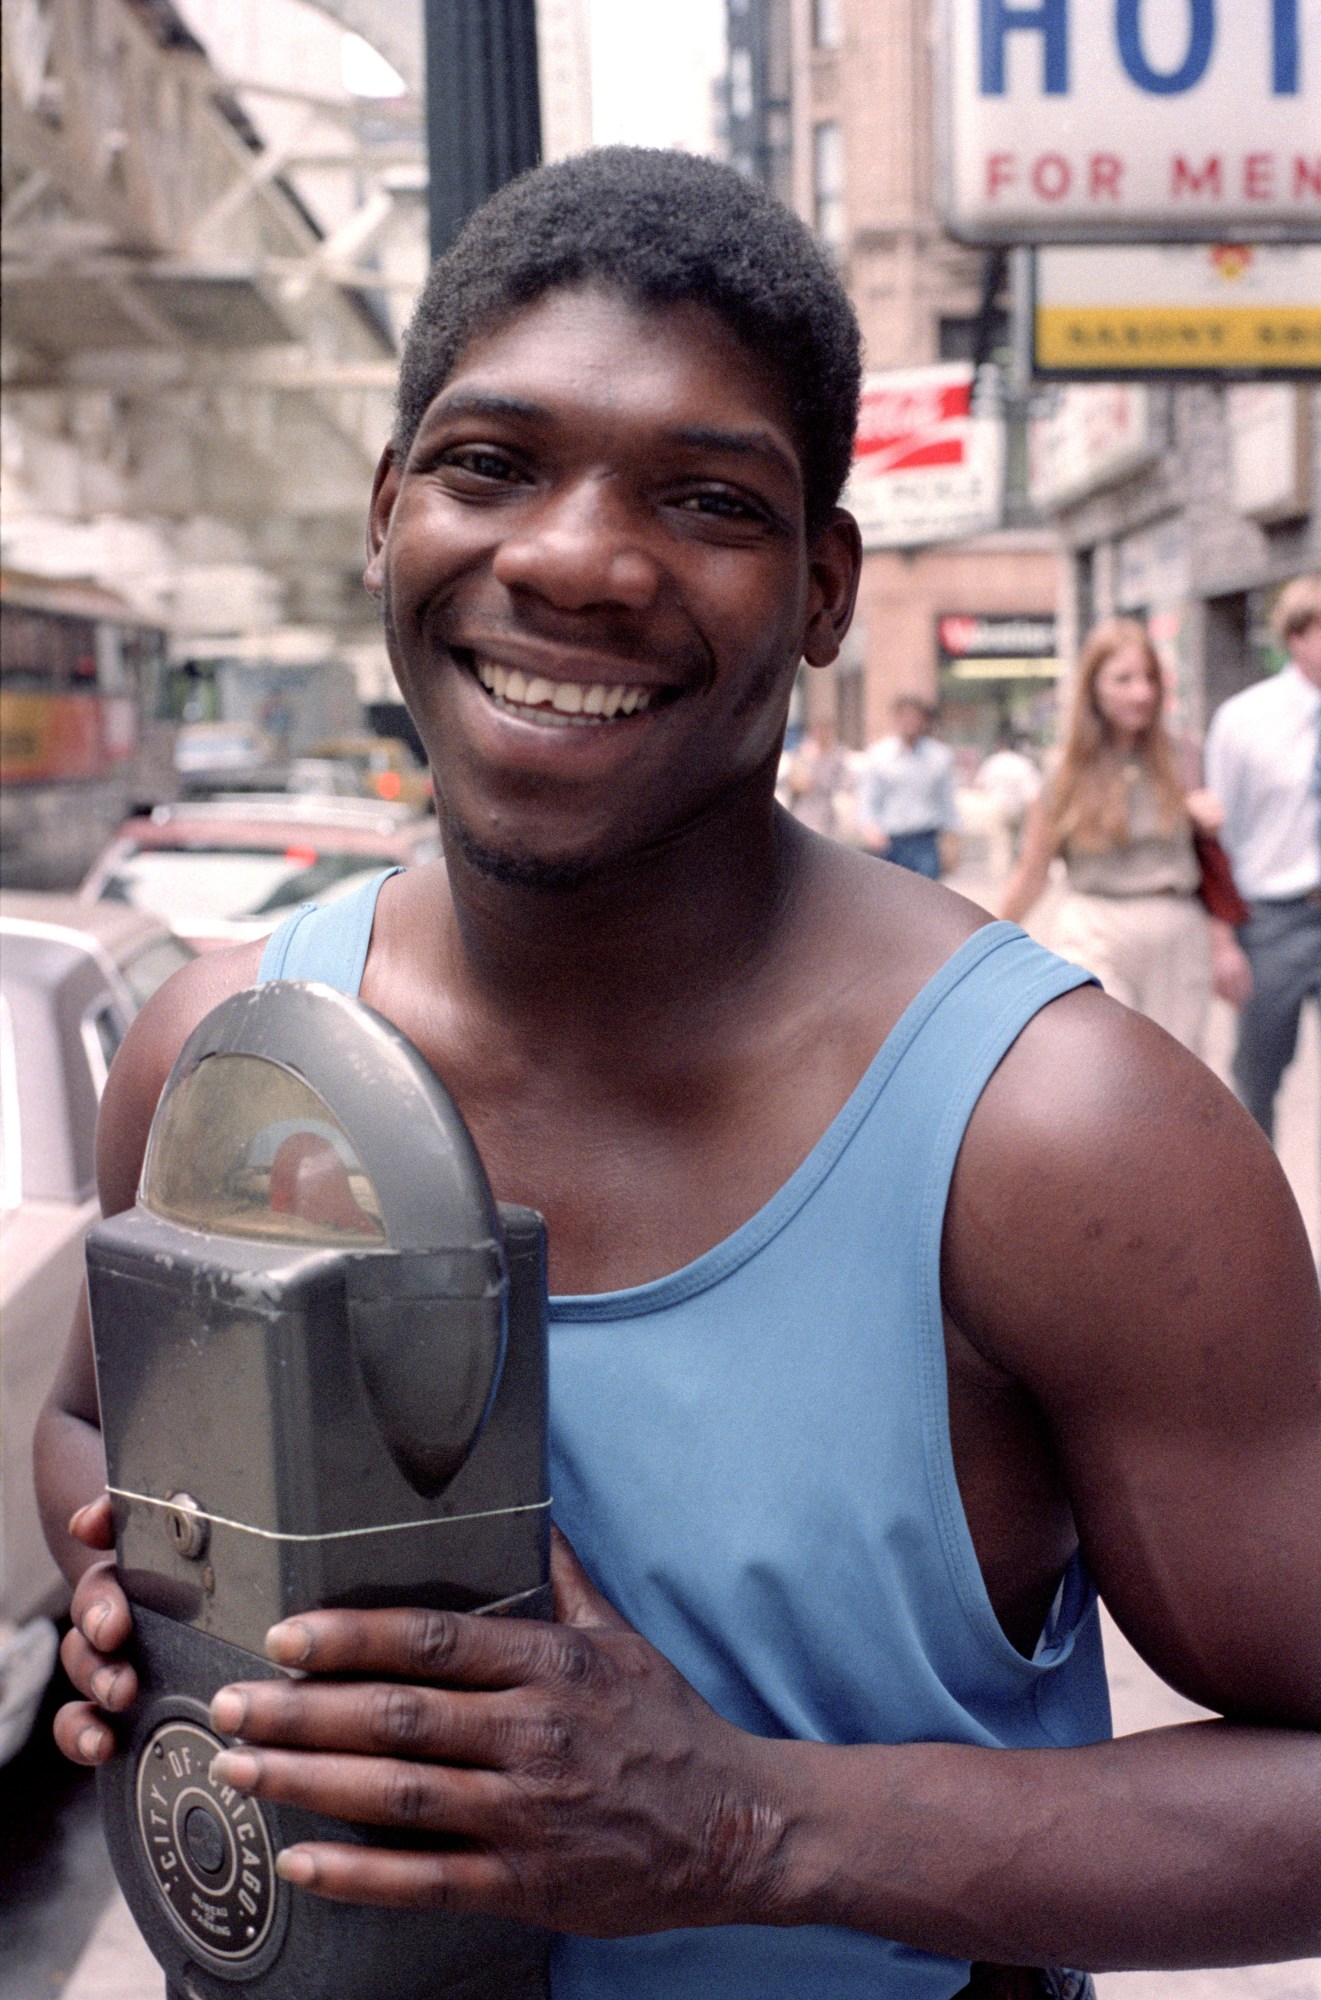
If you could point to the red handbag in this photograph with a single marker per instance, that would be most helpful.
(1217, 888)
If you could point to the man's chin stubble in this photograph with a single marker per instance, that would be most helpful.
(518, 871)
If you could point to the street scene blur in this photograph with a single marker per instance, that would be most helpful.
(1082, 686)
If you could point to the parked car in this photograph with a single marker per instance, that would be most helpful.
(223, 870)
(382, 767)
(71, 979)
(224, 757)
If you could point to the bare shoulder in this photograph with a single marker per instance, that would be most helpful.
(1107, 1161)
(147, 1056)
(1121, 1240)
(885, 918)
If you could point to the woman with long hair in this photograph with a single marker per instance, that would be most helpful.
(1117, 811)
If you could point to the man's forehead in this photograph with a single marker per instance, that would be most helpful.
(591, 343)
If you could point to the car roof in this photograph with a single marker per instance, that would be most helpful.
(298, 810)
(115, 927)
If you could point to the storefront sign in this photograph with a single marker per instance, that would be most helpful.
(1086, 438)
(1087, 120)
(1270, 455)
(994, 636)
(1204, 309)
(925, 468)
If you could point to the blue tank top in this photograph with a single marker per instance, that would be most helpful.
(752, 1458)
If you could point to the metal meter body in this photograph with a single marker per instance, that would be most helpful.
(321, 1361)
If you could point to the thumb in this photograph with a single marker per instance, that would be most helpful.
(94, 1524)
(577, 1599)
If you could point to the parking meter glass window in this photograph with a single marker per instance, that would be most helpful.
(243, 1147)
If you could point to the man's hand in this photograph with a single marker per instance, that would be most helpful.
(571, 1777)
(101, 1626)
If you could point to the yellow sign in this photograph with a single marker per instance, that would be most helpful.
(1152, 309)
(1178, 337)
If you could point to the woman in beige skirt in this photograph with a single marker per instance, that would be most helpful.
(1117, 812)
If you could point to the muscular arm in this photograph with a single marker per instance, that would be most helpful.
(70, 1464)
(1122, 1242)
(69, 1461)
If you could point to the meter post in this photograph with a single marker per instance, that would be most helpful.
(321, 1362)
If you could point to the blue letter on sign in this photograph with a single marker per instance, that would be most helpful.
(1166, 83)
(1284, 76)
(1049, 18)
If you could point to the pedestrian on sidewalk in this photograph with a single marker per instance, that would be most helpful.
(1117, 811)
(906, 793)
(1263, 757)
(1010, 782)
(816, 778)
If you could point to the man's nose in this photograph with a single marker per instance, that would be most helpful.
(580, 548)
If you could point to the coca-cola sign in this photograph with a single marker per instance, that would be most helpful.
(926, 466)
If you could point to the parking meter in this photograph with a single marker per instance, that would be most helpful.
(321, 1361)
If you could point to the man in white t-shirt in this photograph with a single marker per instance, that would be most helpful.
(1263, 758)
(906, 792)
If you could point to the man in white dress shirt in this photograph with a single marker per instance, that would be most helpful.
(1263, 758)
(906, 792)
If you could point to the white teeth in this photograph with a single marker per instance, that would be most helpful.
(520, 690)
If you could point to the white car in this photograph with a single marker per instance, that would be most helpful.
(71, 979)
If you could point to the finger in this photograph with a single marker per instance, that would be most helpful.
(478, 1884)
(385, 1718)
(109, 1682)
(577, 1599)
(100, 1609)
(372, 1791)
(82, 1735)
(94, 1524)
(451, 1648)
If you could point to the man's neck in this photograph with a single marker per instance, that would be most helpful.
(662, 938)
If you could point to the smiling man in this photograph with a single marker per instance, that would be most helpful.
(903, 1282)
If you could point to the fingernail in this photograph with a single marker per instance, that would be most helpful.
(228, 1709)
(104, 1682)
(96, 1619)
(295, 1864)
(288, 1644)
(93, 1744)
(78, 1516)
(234, 1767)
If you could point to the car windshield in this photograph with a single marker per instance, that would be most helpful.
(188, 887)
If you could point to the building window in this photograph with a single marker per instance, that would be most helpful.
(827, 25)
(828, 178)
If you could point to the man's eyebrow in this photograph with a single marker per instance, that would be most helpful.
(484, 403)
(748, 443)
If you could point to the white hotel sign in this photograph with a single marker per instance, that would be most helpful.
(1095, 120)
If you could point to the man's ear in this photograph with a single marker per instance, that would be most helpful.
(834, 559)
(385, 490)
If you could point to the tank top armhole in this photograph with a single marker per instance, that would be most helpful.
(327, 942)
(1000, 1026)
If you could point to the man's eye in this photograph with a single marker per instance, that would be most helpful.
(481, 463)
(721, 505)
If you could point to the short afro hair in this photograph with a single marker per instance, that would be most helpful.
(662, 228)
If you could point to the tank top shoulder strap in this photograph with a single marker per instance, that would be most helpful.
(943, 1050)
(325, 942)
